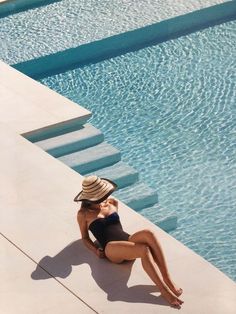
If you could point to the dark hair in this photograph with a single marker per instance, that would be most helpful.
(86, 204)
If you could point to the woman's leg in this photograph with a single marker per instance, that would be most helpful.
(148, 237)
(118, 251)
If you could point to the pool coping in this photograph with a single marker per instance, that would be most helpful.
(38, 220)
(39, 109)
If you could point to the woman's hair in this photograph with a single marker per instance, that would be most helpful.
(86, 204)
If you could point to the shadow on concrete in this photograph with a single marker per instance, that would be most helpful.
(114, 283)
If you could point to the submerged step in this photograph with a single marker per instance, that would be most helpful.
(167, 224)
(137, 196)
(15, 6)
(71, 142)
(57, 129)
(93, 158)
(162, 217)
(120, 173)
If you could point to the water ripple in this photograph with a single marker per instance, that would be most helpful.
(70, 23)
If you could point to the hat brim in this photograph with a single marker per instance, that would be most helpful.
(80, 197)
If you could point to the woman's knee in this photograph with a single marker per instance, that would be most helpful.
(148, 234)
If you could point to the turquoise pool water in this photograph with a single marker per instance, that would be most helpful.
(69, 23)
(170, 109)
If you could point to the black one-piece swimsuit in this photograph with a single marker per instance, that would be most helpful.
(108, 229)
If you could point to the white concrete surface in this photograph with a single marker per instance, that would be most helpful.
(26, 105)
(22, 295)
(38, 217)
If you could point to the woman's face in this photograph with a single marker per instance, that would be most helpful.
(94, 206)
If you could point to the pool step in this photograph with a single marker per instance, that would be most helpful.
(71, 142)
(120, 173)
(162, 217)
(137, 196)
(92, 158)
(84, 150)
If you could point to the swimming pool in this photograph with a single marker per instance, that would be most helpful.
(69, 23)
(170, 109)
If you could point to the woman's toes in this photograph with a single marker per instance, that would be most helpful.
(176, 305)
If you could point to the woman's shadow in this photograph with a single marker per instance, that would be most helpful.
(76, 254)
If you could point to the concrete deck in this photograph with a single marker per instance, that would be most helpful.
(27, 105)
(44, 266)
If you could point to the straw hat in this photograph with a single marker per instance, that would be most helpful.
(95, 189)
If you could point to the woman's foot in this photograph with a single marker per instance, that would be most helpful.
(171, 298)
(176, 290)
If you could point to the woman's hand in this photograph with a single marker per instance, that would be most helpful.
(108, 206)
(100, 253)
(113, 202)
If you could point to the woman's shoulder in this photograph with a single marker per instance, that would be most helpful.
(81, 216)
(81, 212)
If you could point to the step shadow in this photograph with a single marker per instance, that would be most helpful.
(75, 254)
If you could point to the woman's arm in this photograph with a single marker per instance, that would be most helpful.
(85, 235)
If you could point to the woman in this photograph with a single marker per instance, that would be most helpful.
(99, 214)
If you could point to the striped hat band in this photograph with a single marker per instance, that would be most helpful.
(95, 189)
